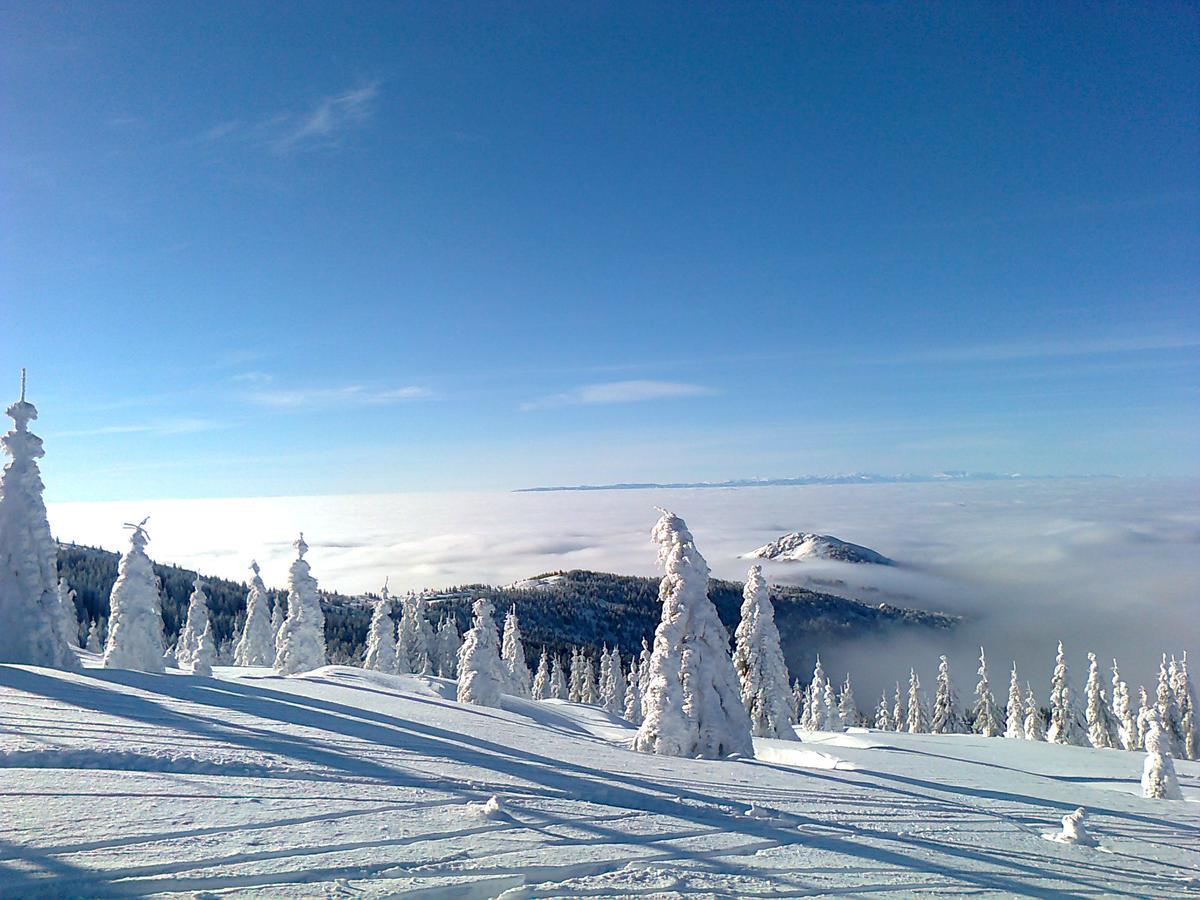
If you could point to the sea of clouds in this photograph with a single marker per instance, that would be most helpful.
(1110, 565)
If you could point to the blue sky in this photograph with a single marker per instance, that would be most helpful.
(305, 248)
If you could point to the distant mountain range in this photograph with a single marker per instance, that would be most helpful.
(800, 546)
(852, 478)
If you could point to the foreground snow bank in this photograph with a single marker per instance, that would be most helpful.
(343, 782)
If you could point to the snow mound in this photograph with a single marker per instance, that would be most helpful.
(1073, 831)
(104, 758)
(801, 546)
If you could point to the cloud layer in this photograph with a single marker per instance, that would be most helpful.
(637, 391)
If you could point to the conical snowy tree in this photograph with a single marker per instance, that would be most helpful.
(278, 617)
(513, 653)
(301, 643)
(899, 716)
(193, 627)
(644, 670)
(205, 653)
(758, 661)
(1142, 722)
(945, 717)
(95, 637)
(541, 681)
(589, 689)
(481, 674)
(256, 646)
(448, 644)
(918, 721)
(558, 681)
(987, 719)
(797, 702)
(135, 626)
(814, 717)
(1102, 725)
(30, 612)
(633, 696)
(1123, 711)
(1185, 695)
(1015, 711)
(576, 685)
(830, 720)
(1168, 709)
(68, 622)
(1035, 724)
(1064, 721)
(883, 715)
(612, 684)
(416, 638)
(1159, 781)
(693, 707)
(847, 707)
(381, 636)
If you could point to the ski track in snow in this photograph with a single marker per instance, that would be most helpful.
(350, 783)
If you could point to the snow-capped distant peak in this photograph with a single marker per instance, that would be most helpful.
(801, 545)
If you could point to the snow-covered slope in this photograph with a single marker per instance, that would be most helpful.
(801, 545)
(350, 783)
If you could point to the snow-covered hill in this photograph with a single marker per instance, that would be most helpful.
(348, 783)
(799, 546)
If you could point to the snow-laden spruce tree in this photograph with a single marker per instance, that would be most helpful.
(30, 612)
(576, 685)
(918, 719)
(798, 697)
(415, 642)
(135, 625)
(1035, 724)
(814, 717)
(205, 654)
(68, 621)
(481, 673)
(449, 642)
(945, 718)
(693, 706)
(899, 716)
(278, 617)
(758, 661)
(1101, 723)
(1185, 695)
(193, 626)
(541, 681)
(1158, 772)
(1123, 711)
(301, 643)
(830, 720)
(987, 719)
(256, 646)
(633, 696)
(558, 681)
(1015, 711)
(612, 683)
(1145, 707)
(517, 677)
(847, 708)
(96, 637)
(1168, 708)
(644, 669)
(589, 688)
(1064, 720)
(381, 636)
(883, 715)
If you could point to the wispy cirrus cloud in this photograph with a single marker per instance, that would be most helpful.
(158, 428)
(351, 395)
(636, 391)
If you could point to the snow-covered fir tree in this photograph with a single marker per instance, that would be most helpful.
(918, 720)
(612, 685)
(758, 661)
(847, 708)
(814, 700)
(883, 715)
(1185, 696)
(1035, 724)
(205, 654)
(798, 704)
(987, 719)
(68, 621)
(31, 616)
(256, 646)
(416, 638)
(1123, 711)
(541, 681)
(481, 673)
(448, 644)
(1168, 708)
(830, 720)
(558, 681)
(945, 718)
(589, 688)
(518, 681)
(644, 669)
(194, 625)
(135, 625)
(278, 617)
(301, 643)
(1145, 707)
(633, 697)
(694, 705)
(576, 686)
(381, 636)
(1101, 723)
(1159, 781)
(1014, 724)
(899, 716)
(1064, 720)
(96, 637)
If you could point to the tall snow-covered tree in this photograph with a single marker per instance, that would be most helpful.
(300, 646)
(513, 653)
(576, 686)
(918, 720)
(1035, 725)
(416, 637)
(798, 701)
(278, 617)
(205, 654)
(1101, 723)
(847, 707)
(987, 719)
(193, 627)
(30, 612)
(1159, 781)
(1168, 708)
(758, 661)
(589, 689)
(899, 716)
(381, 636)
(612, 682)
(830, 720)
(644, 670)
(693, 707)
(135, 625)
(68, 622)
(449, 642)
(541, 681)
(883, 715)
(814, 717)
(256, 646)
(481, 674)
(1123, 711)
(96, 637)
(1185, 696)
(558, 681)
(1145, 707)
(633, 696)
(945, 717)
(1064, 720)
(1015, 711)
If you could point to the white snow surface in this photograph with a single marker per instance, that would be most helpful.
(343, 782)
